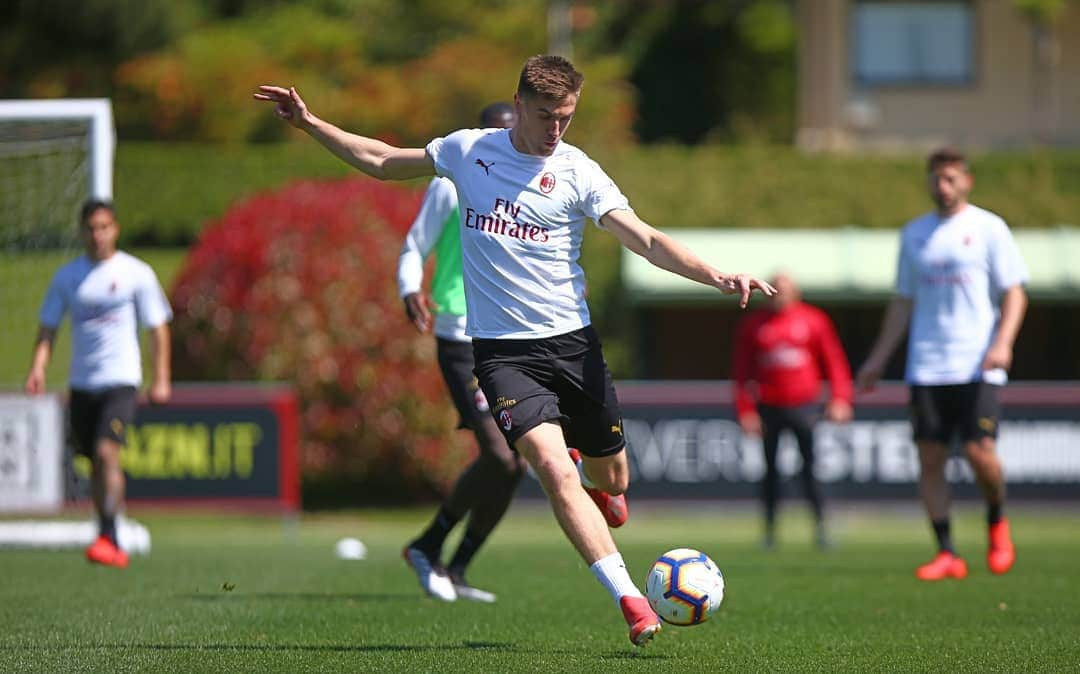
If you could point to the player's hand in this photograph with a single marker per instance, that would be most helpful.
(743, 285)
(750, 423)
(417, 309)
(287, 103)
(869, 375)
(160, 392)
(35, 383)
(838, 411)
(997, 357)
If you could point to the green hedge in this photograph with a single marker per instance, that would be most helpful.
(165, 192)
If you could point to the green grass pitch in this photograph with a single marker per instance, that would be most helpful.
(240, 593)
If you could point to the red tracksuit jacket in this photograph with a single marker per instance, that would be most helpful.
(786, 353)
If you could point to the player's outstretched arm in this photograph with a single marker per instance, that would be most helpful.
(35, 380)
(373, 157)
(667, 253)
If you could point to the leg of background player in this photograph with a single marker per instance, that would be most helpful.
(107, 488)
(498, 472)
(802, 427)
(770, 481)
(986, 464)
(935, 495)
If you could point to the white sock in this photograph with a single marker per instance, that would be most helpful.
(611, 572)
(585, 481)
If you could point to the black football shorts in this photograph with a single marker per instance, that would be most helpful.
(970, 411)
(456, 363)
(97, 415)
(563, 378)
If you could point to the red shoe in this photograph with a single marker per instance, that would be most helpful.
(104, 551)
(613, 508)
(643, 621)
(945, 565)
(1001, 554)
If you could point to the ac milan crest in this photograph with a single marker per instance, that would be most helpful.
(506, 420)
(547, 182)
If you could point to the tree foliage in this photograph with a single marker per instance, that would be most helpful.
(184, 70)
(707, 70)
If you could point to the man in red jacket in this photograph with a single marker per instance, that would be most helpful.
(785, 350)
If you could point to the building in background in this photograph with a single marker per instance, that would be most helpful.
(978, 73)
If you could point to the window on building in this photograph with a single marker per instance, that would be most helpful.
(909, 43)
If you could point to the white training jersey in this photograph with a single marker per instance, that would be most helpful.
(107, 302)
(440, 201)
(955, 269)
(522, 221)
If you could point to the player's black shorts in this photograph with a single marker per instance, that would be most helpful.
(101, 414)
(564, 378)
(969, 411)
(456, 363)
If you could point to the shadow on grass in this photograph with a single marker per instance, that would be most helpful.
(212, 595)
(636, 655)
(309, 648)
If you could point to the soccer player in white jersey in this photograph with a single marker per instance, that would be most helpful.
(108, 295)
(960, 285)
(524, 196)
(486, 487)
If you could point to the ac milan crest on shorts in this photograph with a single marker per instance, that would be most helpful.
(563, 378)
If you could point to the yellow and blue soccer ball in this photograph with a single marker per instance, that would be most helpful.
(684, 587)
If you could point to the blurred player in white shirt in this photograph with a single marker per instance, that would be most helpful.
(960, 286)
(108, 294)
(525, 196)
(487, 485)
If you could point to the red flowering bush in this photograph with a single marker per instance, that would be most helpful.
(299, 285)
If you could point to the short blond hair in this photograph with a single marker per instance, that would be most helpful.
(550, 77)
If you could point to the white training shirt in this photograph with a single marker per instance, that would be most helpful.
(440, 200)
(955, 270)
(107, 301)
(522, 221)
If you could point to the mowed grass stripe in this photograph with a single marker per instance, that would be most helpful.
(256, 594)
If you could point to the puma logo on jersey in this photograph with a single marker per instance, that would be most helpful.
(485, 166)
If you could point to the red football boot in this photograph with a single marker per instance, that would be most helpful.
(643, 621)
(1001, 554)
(614, 508)
(945, 565)
(103, 551)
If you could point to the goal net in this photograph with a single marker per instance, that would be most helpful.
(54, 154)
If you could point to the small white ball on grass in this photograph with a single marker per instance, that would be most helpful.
(350, 548)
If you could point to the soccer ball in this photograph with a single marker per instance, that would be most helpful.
(684, 587)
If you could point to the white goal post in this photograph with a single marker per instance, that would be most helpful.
(54, 155)
(96, 112)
